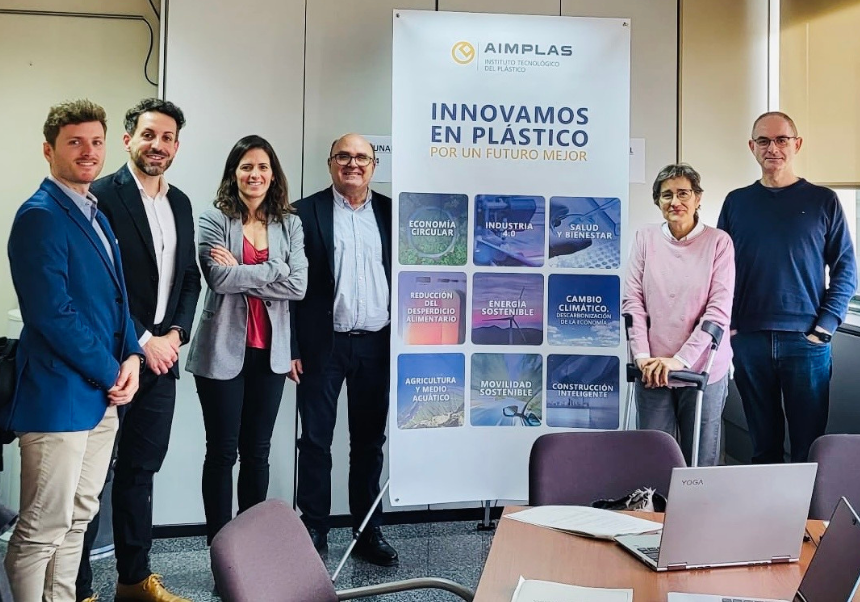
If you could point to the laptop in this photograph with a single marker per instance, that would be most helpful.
(729, 516)
(833, 573)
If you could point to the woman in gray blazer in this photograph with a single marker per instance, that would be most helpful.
(251, 250)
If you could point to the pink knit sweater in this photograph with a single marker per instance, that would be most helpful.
(677, 283)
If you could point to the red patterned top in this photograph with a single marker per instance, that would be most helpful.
(259, 325)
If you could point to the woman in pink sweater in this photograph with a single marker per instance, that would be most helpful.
(681, 272)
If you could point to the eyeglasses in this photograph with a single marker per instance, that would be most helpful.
(343, 159)
(683, 194)
(780, 141)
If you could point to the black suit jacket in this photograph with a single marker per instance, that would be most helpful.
(119, 199)
(312, 322)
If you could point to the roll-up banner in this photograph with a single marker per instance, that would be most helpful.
(510, 164)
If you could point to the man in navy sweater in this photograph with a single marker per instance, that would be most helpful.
(785, 231)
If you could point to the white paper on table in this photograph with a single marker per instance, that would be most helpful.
(583, 520)
(531, 590)
(676, 597)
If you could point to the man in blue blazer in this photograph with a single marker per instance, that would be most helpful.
(340, 332)
(78, 357)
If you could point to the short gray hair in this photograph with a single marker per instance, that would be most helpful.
(676, 170)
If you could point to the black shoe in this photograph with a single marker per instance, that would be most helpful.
(319, 539)
(373, 548)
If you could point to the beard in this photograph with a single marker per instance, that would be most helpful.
(149, 169)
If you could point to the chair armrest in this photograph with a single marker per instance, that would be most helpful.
(405, 585)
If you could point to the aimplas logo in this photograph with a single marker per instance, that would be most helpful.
(463, 53)
(541, 50)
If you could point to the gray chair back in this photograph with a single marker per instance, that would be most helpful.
(838, 475)
(266, 554)
(582, 467)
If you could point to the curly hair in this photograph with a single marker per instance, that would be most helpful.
(153, 104)
(71, 112)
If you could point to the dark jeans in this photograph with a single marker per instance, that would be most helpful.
(363, 361)
(140, 450)
(776, 370)
(239, 416)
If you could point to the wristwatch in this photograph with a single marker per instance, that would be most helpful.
(183, 336)
(824, 337)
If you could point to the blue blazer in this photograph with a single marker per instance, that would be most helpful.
(77, 327)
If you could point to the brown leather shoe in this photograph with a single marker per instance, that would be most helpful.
(150, 589)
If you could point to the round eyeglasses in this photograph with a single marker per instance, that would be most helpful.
(683, 194)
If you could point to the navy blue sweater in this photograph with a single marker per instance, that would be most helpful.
(783, 240)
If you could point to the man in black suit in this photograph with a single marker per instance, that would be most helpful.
(154, 226)
(340, 331)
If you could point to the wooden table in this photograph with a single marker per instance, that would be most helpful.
(539, 553)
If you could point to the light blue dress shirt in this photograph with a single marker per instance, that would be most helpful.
(361, 289)
(89, 206)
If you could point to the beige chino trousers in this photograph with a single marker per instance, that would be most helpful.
(61, 477)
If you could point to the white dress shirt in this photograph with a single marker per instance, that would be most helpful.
(163, 228)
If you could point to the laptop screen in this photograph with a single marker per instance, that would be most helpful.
(834, 570)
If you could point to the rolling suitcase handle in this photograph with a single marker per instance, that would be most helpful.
(697, 379)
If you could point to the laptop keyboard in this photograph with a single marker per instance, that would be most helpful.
(653, 554)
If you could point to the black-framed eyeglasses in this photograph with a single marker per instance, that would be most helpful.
(780, 141)
(343, 159)
(683, 194)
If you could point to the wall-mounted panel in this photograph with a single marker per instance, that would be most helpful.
(347, 89)
(347, 77)
(235, 70)
(653, 88)
(724, 73)
(37, 70)
(820, 86)
(503, 7)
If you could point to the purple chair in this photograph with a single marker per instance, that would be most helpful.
(266, 555)
(579, 468)
(838, 475)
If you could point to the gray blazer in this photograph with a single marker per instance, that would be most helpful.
(218, 348)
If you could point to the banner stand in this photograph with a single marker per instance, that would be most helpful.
(510, 180)
(486, 524)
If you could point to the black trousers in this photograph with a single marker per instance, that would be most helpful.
(363, 361)
(239, 416)
(140, 450)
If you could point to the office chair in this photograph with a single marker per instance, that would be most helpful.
(838, 475)
(581, 467)
(266, 555)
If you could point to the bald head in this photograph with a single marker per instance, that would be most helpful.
(777, 114)
(344, 137)
(351, 163)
